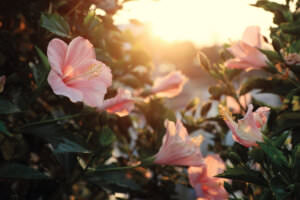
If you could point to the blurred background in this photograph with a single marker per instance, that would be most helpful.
(173, 31)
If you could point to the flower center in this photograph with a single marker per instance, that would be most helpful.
(91, 72)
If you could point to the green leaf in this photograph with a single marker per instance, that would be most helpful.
(107, 136)
(116, 180)
(279, 141)
(6, 107)
(3, 129)
(61, 140)
(291, 28)
(243, 174)
(40, 71)
(285, 121)
(275, 155)
(272, 55)
(296, 162)
(19, 171)
(275, 86)
(280, 11)
(55, 24)
(278, 188)
(217, 91)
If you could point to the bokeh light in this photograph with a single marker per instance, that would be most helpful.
(201, 21)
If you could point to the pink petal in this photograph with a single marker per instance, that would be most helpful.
(203, 181)
(59, 87)
(93, 87)
(56, 53)
(170, 85)
(215, 165)
(261, 116)
(252, 36)
(196, 174)
(79, 50)
(178, 148)
(122, 104)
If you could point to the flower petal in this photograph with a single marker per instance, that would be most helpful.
(60, 88)
(121, 104)
(178, 148)
(252, 36)
(170, 85)
(56, 53)
(79, 50)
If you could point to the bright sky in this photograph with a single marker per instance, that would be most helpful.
(202, 21)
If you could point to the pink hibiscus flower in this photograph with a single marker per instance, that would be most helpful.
(178, 148)
(170, 85)
(246, 51)
(247, 131)
(208, 187)
(75, 72)
(122, 104)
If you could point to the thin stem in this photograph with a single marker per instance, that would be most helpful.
(52, 120)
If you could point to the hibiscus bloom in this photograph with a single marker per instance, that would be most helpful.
(170, 85)
(247, 131)
(75, 72)
(203, 180)
(122, 104)
(178, 148)
(246, 51)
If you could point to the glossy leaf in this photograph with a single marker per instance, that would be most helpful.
(58, 138)
(20, 171)
(243, 174)
(6, 107)
(107, 136)
(55, 24)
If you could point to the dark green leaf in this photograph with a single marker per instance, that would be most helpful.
(112, 179)
(40, 71)
(278, 187)
(58, 137)
(285, 121)
(296, 162)
(217, 91)
(19, 171)
(275, 155)
(243, 174)
(107, 136)
(291, 28)
(6, 107)
(280, 11)
(271, 55)
(279, 141)
(3, 129)
(55, 24)
(275, 85)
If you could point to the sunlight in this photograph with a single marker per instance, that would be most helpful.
(201, 21)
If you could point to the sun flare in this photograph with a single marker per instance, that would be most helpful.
(201, 21)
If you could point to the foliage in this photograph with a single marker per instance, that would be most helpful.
(52, 148)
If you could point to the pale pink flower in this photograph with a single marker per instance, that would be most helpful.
(178, 148)
(247, 131)
(122, 104)
(2, 82)
(246, 51)
(204, 182)
(75, 72)
(170, 85)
